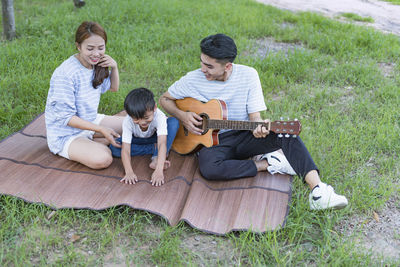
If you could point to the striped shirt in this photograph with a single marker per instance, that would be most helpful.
(71, 93)
(242, 91)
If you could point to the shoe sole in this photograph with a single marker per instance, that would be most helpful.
(335, 207)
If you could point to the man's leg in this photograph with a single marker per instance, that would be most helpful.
(322, 195)
(293, 149)
(220, 162)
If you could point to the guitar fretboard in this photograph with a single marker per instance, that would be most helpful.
(234, 125)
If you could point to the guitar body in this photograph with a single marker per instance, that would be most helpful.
(215, 117)
(186, 142)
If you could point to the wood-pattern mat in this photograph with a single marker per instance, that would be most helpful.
(29, 171)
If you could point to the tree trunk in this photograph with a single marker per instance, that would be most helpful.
(8, 19)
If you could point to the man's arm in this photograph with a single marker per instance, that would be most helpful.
(190, 120)
(260, 131)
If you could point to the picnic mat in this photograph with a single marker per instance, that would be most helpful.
(28, 170)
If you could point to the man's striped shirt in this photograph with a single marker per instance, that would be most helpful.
(242, 91)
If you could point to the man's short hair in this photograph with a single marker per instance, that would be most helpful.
(219, 46)
(138, 102)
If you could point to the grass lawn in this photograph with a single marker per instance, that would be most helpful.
(355, 17)
(342, 83)
(396, 2)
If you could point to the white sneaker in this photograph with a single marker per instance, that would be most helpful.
(278, 163)
(323, 197)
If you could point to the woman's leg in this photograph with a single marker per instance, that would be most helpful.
(113, 122)
(90, 153)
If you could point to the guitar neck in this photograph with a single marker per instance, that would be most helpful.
(279, 127)
(234, 125)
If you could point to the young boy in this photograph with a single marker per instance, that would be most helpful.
(145, 130)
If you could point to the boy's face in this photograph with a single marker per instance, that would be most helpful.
(146, 120)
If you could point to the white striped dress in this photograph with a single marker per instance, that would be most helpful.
(71, 93)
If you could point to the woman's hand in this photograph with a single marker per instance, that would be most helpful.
(107, 61)
(110, 135)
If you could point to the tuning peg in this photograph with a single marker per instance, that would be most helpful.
(281, 118)
(287, 135)
(294, 136)
(280, 135)
(295, 119)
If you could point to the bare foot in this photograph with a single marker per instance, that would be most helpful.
(261, 165)
(153, 164)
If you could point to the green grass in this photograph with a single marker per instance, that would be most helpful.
(355, 17)
(335, 85)
(396, 2)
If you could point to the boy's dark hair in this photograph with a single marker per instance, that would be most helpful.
(220, 47)
(138, 101)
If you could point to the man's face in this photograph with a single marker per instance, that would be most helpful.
(212, 69)
(146, 120)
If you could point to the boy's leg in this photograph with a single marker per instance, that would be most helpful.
(143, 146)
(172, 126)
(139, 146)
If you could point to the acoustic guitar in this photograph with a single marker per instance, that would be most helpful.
(214, 114)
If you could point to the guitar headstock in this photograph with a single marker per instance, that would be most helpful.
(286, 127)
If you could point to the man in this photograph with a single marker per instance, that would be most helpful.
(239, 86)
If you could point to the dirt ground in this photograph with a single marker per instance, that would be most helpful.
(378, 232)
(386, 16)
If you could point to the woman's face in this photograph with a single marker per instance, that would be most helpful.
(91, 50)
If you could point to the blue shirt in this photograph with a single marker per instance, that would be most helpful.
(71, 94)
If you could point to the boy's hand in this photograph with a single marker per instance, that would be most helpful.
(130, 178)
(157, 178)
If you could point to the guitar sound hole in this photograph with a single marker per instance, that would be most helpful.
(204, 124)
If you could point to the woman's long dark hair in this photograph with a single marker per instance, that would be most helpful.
(84, 31)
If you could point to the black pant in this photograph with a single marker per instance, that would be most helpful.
(230, 158)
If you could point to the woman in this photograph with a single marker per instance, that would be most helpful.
(73, 99)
